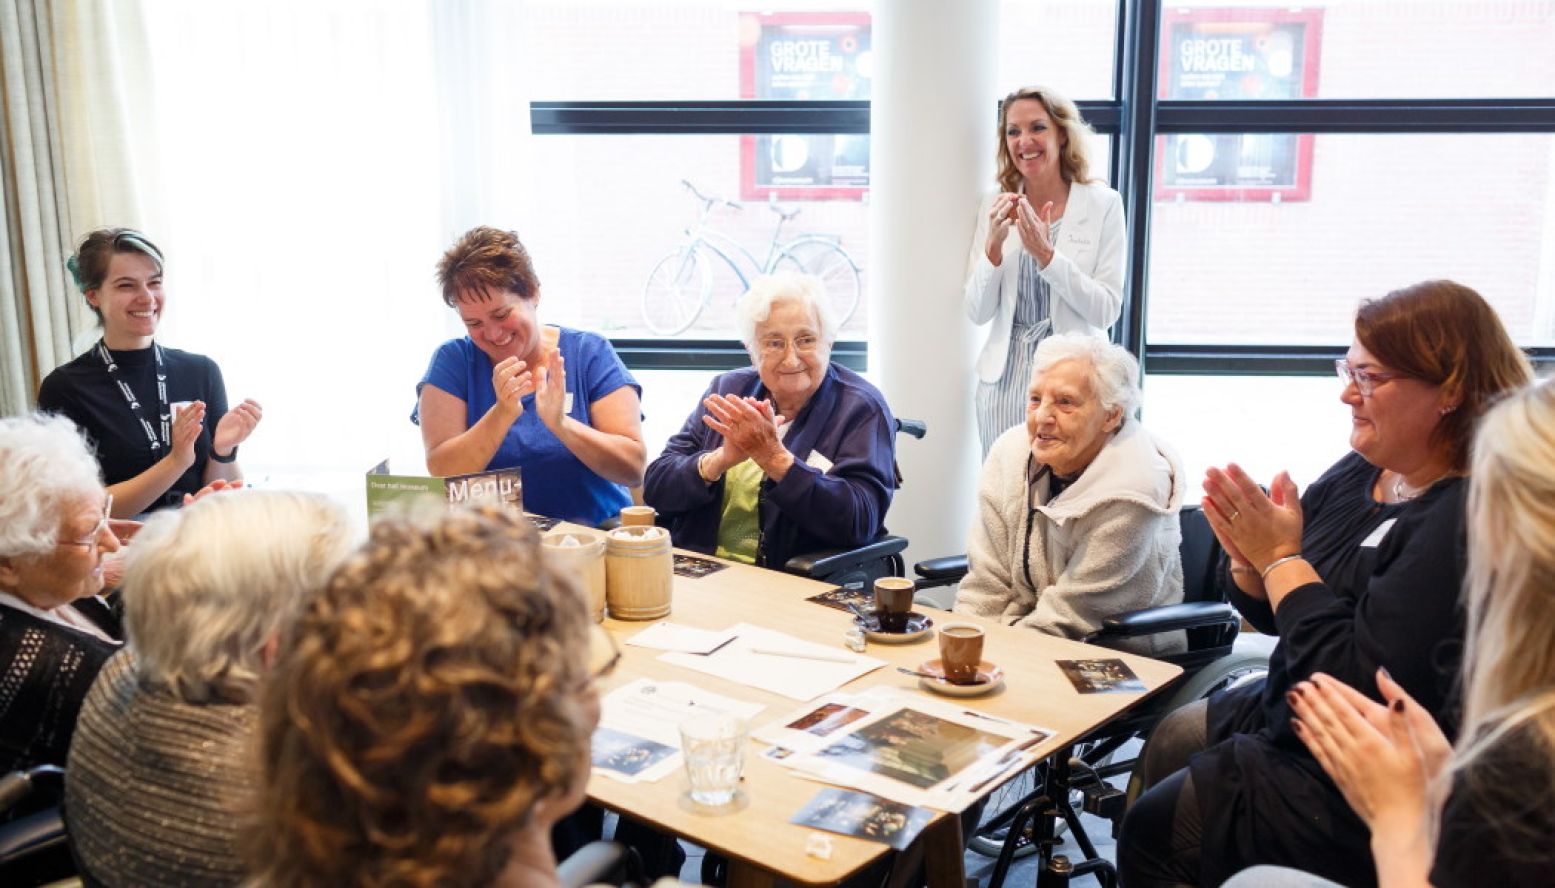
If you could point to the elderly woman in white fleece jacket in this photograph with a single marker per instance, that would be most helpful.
(1077, 508)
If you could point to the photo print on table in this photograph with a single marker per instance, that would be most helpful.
(842, 596)
(1100, 676)
(696, 568)
(914, 747)
(827, 718)
(625, 754)
(865, 816)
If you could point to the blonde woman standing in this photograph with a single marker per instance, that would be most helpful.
(1048, 253)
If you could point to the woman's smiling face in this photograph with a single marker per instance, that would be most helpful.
(502, 324)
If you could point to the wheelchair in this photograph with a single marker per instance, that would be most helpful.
(1052, 793)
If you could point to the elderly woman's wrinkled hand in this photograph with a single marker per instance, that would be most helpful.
(1254, 527)
(216, 486)
(1384, 759)
(748, 426)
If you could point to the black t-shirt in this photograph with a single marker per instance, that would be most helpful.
(1498, 826)
(83, 391)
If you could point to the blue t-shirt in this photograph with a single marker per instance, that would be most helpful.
(556, 483)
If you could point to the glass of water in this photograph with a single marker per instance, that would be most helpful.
(714, 745)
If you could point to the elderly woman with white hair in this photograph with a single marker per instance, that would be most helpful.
(793, 454)
(55, 632)
(1078, 507)
(163, 764)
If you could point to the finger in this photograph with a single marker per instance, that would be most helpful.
(1245, 486)
(1217, 522)
(1283, 492)
(718, 427)
(1047, 214)
(1219, 490)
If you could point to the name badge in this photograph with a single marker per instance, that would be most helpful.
(1375, 539)
(567, 403)
(817, 461)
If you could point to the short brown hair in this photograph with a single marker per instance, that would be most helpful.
(1446, 334)
(426, 700)
(1073, 162)
(487, 259)
(89, 265)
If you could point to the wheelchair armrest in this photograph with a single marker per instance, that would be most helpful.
(30, 833)
(830, 561)
(914, 427)
(1167, 618)
(944, 570)
(600, 862)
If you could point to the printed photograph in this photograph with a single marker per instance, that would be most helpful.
(694, 567)
(914, 747)
(827, 719)
(842, 596)
(865, 816)
(777, 753)
(1100, 676)
(626, 754)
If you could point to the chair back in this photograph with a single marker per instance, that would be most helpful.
(1200, 557)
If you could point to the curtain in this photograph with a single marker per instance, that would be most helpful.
(71, 81)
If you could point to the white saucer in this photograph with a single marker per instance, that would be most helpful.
(920, 626)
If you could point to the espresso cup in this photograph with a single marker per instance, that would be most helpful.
(893, 603)
(960, 652)
(638, 516)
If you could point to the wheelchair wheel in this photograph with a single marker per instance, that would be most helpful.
(989, 840)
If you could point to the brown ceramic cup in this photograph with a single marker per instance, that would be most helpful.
(960, 652)
(893, 603)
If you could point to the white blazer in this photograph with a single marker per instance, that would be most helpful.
(1085, 278)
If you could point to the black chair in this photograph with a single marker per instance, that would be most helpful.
(33, 849)
(859, 567)
(601, 863)
(1209, 664)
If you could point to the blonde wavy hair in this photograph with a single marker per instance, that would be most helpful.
(1073, 158)
(427, 699)
(1509, 660)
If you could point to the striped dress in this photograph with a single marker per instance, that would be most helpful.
(1002, 404)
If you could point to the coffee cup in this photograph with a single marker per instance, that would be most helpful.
(893, 603)
(960, 652)
(638, 516)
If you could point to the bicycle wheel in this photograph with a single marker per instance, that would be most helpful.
(833, 266)
(676, 291)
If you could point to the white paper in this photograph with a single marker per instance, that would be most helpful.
(639, 726)
(952, 792)
(794, 677)
(686, 639)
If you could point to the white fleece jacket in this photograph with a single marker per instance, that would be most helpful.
(1105, 546)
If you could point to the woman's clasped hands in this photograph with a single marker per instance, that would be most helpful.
(1034, 227)
(749, 429)
(1256, 529)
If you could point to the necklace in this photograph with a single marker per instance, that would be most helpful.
(1404, 493)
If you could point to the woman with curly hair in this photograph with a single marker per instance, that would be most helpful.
(428, 719)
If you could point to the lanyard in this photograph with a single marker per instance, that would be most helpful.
(156, 443)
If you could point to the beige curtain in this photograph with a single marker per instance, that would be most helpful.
(72, 84)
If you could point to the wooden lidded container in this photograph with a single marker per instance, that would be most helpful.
(582, 554)
(639, 572)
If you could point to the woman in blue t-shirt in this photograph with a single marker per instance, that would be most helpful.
(555, 402)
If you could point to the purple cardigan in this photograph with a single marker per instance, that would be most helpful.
(846, 421)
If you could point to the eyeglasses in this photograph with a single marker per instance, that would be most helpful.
(91, 539)
(603, 655)
(1365, 381)
(804, 343)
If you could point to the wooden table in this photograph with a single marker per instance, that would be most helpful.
(758, 839)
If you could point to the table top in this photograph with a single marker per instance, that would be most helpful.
(1035, 692)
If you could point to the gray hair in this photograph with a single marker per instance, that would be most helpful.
(205, 587)
(1114, 372)
(45, 465)
(766, 291)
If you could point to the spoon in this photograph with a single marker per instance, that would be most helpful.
(905, 671)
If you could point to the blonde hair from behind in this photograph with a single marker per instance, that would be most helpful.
(1509, 662)
(1073, 160)
(207, 586)
(425, 703)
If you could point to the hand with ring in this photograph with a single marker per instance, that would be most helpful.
(1256, 529)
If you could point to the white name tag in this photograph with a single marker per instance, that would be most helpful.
(567, 403)
(816, 460)
(1375, 539)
